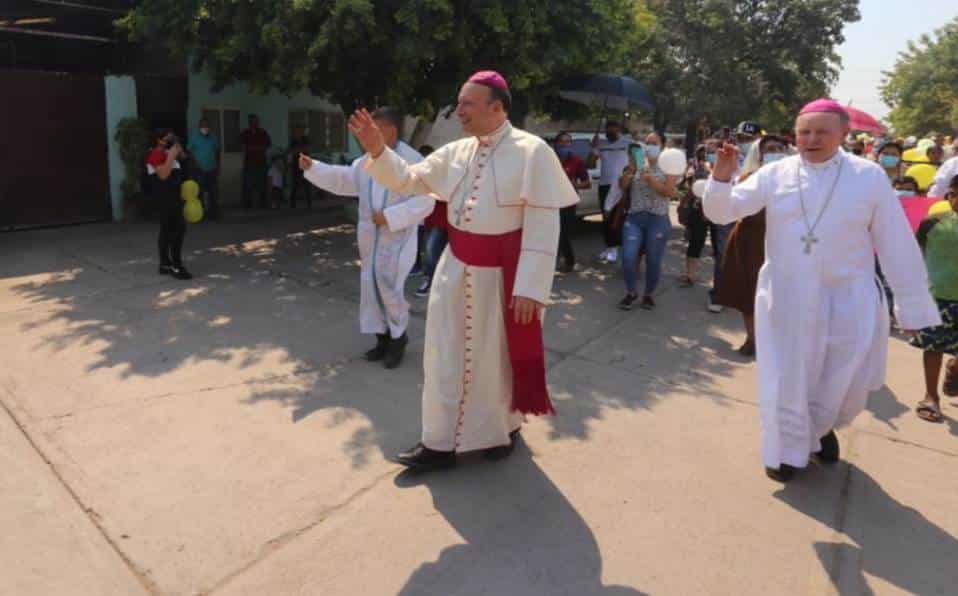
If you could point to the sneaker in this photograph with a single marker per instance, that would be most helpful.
(647, 303)
(612, 255)
(714, 308)
(423, 290)
(180, 273)
(628, 302)
(416, 271)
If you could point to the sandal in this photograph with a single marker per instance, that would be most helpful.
(950, 385)
(929, 410)
(747, 349)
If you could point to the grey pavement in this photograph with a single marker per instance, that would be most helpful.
(225, 436)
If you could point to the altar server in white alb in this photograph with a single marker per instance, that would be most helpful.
(484, 359)
(821, 321)
(386, 234)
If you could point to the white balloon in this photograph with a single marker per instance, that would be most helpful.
(673, 162)
(698, 188)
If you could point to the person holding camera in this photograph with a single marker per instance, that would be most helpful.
(166, 176)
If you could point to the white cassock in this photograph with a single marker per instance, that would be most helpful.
(506, 183)
(821, 322)
(388, 252)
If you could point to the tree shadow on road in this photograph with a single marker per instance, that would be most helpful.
(892, 540)
(521, 534)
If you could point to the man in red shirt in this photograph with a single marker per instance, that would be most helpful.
(579, 177)
(256, 143)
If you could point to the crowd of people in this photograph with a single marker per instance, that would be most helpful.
(494, 214)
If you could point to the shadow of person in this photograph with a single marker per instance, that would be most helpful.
(885, 406)
(892, 541)
(522, 536)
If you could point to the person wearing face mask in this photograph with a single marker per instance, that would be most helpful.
(647, 225)
(612, 156)
(696, 226)
(205, 150)
(889, 158)
(579, 177)
(745, 252)
(166, 176)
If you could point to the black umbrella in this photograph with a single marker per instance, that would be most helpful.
(607, 91)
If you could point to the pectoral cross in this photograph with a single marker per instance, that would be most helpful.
(809, 239)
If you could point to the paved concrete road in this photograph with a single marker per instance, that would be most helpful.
(224, 436)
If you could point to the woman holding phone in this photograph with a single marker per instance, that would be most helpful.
(647, 225)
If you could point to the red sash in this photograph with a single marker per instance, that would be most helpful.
(526, 351)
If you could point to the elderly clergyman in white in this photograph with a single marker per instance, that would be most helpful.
(821, 321)
(386, 234)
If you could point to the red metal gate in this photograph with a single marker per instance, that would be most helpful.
(53, 157)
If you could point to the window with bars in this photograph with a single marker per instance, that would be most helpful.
(326, 130)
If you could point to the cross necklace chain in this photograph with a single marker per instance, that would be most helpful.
(810, 239)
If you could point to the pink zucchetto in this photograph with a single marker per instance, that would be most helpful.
(490, 78)
(828, 106)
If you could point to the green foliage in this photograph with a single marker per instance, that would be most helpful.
(133, 138)
(922, 88)
(410, 53)
(740, 59)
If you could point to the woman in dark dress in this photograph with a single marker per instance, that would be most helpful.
(745, 253)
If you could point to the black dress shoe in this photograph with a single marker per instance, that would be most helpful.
(395, 352)
(497, 453)
(424, 459)
(180, 272)
(166, 270)
(379, 352)
(783, 473)
(830, 451)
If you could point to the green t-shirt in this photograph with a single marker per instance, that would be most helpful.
(938, 237)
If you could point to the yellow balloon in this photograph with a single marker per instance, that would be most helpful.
(193, 210)
(190, 190)
(939, 208)
(914, 156)
(924, 175)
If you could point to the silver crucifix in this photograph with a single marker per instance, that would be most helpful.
(809, 240)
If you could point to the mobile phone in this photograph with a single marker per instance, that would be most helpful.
(638, 156)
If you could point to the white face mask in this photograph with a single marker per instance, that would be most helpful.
(772, 157)
(204, 131)
(653, 151)
(904, 193)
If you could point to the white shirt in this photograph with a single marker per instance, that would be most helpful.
(946, 173)
(613, 157)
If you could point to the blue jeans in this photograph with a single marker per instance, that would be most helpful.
(648, 231)
(719, 236)
(436, 240)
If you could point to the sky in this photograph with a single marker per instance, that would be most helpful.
(873, 43)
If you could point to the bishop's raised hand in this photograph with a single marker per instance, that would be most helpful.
(364, 128)
(726, 163)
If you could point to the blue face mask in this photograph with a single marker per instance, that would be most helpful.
(744, 147)
(564, 152)
(904, 193)
(653, 151)
(772, 157)
(889, 161)
(711, 158)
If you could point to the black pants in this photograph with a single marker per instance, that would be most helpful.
(611, 238)
(172, 233)
(209, 185)
(566, 222)
(697, 229)
(300, 182)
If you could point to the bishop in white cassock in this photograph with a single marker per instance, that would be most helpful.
(386, 235)
(821, 321)
(484, 360)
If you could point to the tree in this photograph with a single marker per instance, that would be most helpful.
(410, 53)
(922, 87)
(740, 59)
